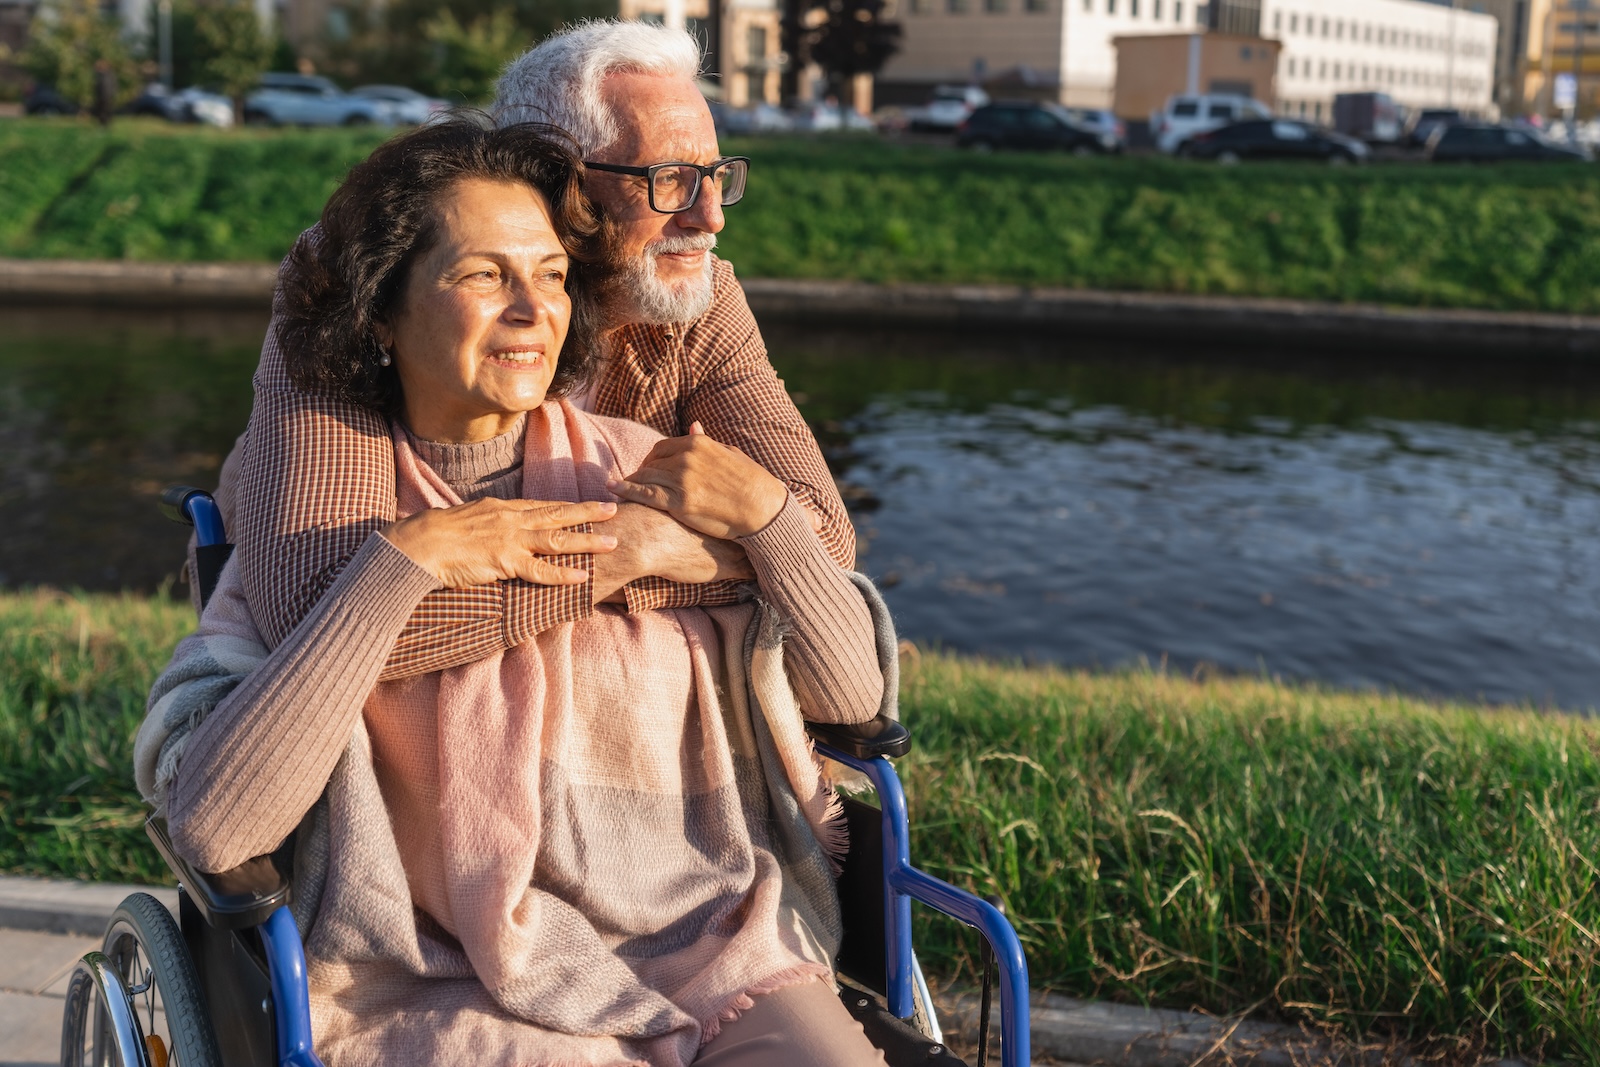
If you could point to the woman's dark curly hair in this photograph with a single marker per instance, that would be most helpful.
(337, 285)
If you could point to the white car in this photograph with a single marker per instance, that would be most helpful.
(1186, 115)
(949, 108)
(405, 106)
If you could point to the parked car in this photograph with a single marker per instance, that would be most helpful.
(193, 104)
(405, 106)
(817, 116)
(1185, 115)
(309, 100)
(1477, 143)
(1102, 122)
(1371, 117)
(757, 118)
(44, 100)
(949, 108)
(1280, 139)
(1030, 125)
(1425, 122)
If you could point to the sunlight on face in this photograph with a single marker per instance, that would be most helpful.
(666, 259)
(483, 315)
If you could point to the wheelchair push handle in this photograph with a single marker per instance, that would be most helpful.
(194, 507)
(881, 736)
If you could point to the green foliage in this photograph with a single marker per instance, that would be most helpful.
(169, 193)
(232, 47)
(1380, 866)
(1487, 237)
(65, 41)
(468, 59)
(456, 50)
(1369, 863)
(74, 672)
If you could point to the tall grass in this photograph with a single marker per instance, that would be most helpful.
(1374, 864)
(1491, 237)
(1366, 861)
(74, 671)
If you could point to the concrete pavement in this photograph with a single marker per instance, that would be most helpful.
(45, 927)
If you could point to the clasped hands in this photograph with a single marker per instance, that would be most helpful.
(678, 516)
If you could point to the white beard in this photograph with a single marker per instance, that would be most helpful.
(647, 298)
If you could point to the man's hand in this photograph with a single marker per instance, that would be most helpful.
(706, 485)
(650, 542)
(490, 540)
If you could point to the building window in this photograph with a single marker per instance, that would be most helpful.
(1277, 22)
(1294, 23)
(1111, 7)
(1155, 9)
(958, 7)
(995, 7)
(1133, 9)
(1035, 7)
(1177, 11)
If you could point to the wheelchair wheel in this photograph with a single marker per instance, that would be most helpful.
(137, 1003)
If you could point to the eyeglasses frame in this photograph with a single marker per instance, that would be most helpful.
(649, 175)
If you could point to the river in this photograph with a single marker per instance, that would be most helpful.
(1425, 526)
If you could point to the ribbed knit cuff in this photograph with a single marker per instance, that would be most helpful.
(788, 540)
(384, 585)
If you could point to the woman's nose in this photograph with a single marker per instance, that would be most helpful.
(525, 303)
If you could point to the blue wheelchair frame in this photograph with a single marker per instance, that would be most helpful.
(286, 959)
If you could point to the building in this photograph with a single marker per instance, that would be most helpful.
(1424, 54)
(1153, 67)
(747, 57)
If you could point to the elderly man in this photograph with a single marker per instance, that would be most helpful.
(314, 476)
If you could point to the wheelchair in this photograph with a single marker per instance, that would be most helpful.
(226, 983)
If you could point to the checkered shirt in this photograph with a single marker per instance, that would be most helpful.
(313, 477)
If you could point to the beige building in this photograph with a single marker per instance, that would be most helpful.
(1151, 68)
(1423, 54)
(751, 58)
(1561, 40)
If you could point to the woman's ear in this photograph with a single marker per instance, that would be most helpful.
(384, 335)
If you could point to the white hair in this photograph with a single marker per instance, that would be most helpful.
(559, 81)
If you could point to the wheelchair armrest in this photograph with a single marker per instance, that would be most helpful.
(234, 899)
(881, 736)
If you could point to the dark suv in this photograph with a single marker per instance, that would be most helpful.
(1042, 127)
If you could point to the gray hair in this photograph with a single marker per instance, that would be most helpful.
(559, 80)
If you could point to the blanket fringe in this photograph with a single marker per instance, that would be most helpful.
(743, 1002)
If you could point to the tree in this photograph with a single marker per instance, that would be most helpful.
(67, 39)
(448, 49)
(466, 60)
(233, 48)
(849, 38)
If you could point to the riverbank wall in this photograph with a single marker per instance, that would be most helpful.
(988, 309)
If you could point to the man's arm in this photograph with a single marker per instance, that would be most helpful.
(738, 398)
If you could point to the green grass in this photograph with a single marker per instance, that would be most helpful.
(1488, 237)
(74, 673)
(1378, 865)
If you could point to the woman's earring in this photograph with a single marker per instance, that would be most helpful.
(384, 358)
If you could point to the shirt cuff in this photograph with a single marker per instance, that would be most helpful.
(531, 609)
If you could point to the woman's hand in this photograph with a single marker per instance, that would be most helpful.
(490, 540)
(706, 485)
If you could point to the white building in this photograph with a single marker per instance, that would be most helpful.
(1423, 54)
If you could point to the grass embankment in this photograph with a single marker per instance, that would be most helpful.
(1379, 864)
(1491, 237)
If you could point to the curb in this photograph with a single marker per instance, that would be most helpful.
(56, 906)
(1294, 324)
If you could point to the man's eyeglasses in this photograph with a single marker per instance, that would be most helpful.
(674, 187)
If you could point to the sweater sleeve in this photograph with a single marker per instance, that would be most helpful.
(258, 762)
(830, 652)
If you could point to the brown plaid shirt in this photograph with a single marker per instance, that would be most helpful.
(313, 477)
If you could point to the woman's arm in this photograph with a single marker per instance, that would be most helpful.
(258, 762)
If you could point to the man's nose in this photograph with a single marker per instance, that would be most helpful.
(706, 214)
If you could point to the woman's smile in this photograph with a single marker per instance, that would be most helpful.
(518, 357)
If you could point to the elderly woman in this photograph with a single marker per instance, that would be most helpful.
(607, 844)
